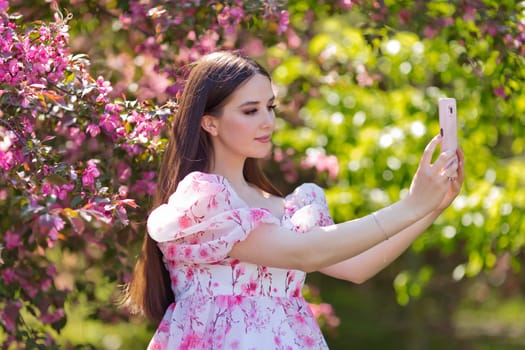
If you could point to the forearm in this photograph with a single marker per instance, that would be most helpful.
(324, 246)
(362, 267)
(321, 247)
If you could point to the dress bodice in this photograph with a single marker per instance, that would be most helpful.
(221, 302)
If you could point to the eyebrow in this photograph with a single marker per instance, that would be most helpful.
(248, 103)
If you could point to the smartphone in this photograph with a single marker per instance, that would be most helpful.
(448, 123)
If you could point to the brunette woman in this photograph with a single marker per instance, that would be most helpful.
(226, 254)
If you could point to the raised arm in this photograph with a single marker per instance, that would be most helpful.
(362, 267)
(365, 265)
(321, 247)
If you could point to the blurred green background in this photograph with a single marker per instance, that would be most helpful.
(361, 83)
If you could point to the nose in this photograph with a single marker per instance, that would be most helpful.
(269, 120)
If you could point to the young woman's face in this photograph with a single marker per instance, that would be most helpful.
(247, 121)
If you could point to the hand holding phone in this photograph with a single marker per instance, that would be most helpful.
(448, 124)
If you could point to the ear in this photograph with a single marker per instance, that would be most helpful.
(210, 124)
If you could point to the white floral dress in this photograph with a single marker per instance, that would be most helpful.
(224, 303)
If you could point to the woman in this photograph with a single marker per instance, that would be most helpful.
(226, 255)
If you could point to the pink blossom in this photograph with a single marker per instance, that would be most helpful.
(316, 158)
(309, 341)
(190, 341)
(90, 174)
(53, 317)
(50, 225)
(123, 172)
(187, 254)
(104, 88)
(10, 315)
(250, 287)
(405, 16)
(164, 326)
(346, 4)
(64, 191)
(499, 91)
(125, 21)
(203, 252)
(47, 189)
(299, 318)
(7, 139)
(123, 191)
(326, 312)
(8, 275)
(30, 288)
(284, 21)
(430, 32)
(469, 13)
(109, 122)
(4, 5)
(185, 221)
(122, 214)
(93, 130)
(145, 185)
(6, 160)
(12, 240)
(257, 214)
(277, 340)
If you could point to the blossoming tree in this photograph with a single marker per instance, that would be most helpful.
(78, 153)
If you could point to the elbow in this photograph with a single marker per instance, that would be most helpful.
(359, 279)
(304, 264)
(348, 275)
(308, 268)
(310, 261)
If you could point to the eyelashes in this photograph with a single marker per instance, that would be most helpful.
(253, 111)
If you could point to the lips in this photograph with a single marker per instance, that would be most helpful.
(264, 139)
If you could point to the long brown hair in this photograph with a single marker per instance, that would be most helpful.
(211, 81)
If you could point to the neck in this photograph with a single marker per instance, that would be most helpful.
(232, 171)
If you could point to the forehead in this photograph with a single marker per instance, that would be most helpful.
(256, 88)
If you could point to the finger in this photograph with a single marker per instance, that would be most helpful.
(451, 169)
(445, 161)
(459, 177)
(461, 164)
(451, 174)
(426, 158)
(460, 158)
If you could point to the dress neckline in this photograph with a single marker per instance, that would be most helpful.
(234, 192)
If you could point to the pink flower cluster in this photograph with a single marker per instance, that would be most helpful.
(325, 315)
(29, 62)
(188, 39)
(59, 130)
(90, 174)
(316, 158)
(286, 163)
(230, 17)
(26, 62)
(72, 154)
(9, 156)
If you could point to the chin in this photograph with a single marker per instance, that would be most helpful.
(268, 153)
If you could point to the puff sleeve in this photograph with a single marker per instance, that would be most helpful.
(307, 208)
(203, 220)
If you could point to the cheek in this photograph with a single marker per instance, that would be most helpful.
(241, 128)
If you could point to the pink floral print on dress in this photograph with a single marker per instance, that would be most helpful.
(220, 302)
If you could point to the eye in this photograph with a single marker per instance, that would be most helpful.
(272, 107)
(251, 111)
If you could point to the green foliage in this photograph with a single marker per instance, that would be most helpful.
(361, 84)
(372, 102)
